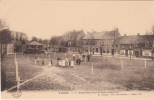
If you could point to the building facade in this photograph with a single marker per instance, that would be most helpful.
(99, 42)
(137, 45)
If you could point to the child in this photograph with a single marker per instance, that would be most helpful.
(66, 62)
(63, 63)
(72, 63)
(42, 62)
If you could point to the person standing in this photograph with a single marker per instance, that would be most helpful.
(73, 56)
(72, 63)
(66, 62)
(101, 53)
(50, 63)
(42, 62)
(80, 57)
(63, 63)
(88, 57)
(60, 63)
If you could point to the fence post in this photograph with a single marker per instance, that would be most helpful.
(18, 84)
(35, 62)
(145, 63)
(92, 69)
(121, 64)
(17, 77)
(85, 58)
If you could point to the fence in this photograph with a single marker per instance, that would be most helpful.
(126, 63)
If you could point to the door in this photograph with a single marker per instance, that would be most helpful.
(137, 53)
(140, 52)
(112, 52)
(97, 50)
(126, 52)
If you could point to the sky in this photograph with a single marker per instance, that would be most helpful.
(44, 19)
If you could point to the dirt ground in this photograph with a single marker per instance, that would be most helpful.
(107, 74)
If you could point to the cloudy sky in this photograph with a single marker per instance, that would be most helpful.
(44, 19)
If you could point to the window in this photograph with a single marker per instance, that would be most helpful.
(137, 44)
(96, 49)
(130, 46)
(146, 44)
(101, 43)
(123, 46)
(69, 43)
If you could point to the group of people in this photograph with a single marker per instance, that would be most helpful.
(66, 62)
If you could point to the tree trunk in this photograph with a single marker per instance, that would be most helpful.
(53, 47)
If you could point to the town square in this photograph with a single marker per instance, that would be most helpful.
(70, 49)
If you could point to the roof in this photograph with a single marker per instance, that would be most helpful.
(88, 36)
(127, 39)
(34, 43)
(146, 38)
(134, 39)
(100, 35)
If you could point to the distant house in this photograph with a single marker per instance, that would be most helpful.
(16, 47)
(137, 45)
(72, 38)
(56, 45)
(97, 42)
(124, 45)
(143, 46)
(18, 43)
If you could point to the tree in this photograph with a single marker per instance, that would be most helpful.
(40, 40)
(53, 41)
(150, 32)
(115, 34)
(3, 25)
(34, 39)
(5, 36)
(17, 37)
(73, 37)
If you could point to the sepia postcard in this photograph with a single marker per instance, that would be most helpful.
(77, 49)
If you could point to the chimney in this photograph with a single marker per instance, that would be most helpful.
(138, 34)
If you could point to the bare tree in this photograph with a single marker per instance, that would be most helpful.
(150, 32)
(40, 40)
(53, 41)
(34, 39)
(115, 34)
(3, 25)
